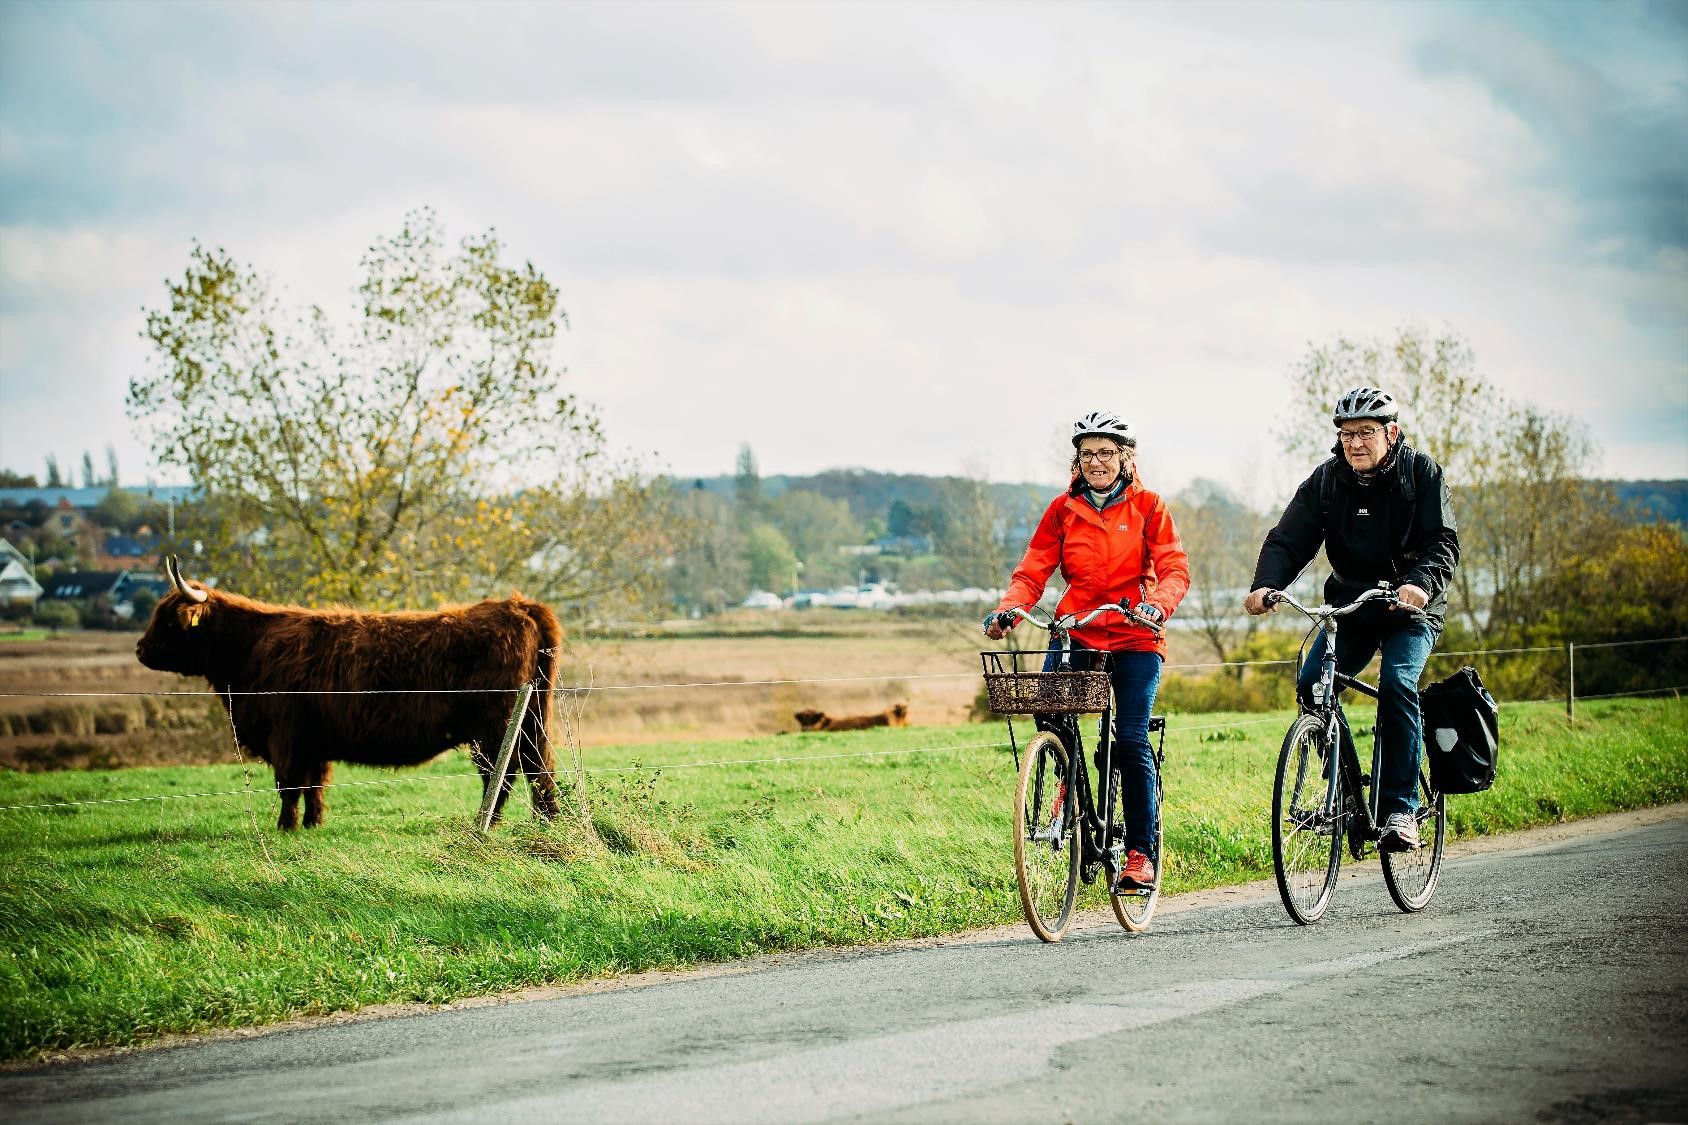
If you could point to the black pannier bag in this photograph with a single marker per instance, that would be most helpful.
(1461, 732)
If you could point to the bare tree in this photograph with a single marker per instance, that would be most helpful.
(1222, 536)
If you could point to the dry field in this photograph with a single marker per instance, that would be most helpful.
(840, 662)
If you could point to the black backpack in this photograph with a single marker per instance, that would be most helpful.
(1461, 733)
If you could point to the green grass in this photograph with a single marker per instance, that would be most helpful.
(120, 922)
(26, 635)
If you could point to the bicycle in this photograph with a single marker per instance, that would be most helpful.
(1060, 836)
(1314, 807)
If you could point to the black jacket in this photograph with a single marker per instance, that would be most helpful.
(1399, 526)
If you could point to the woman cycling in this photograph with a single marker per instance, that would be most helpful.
(1114, 541)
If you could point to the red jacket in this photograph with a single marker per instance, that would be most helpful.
(1129, 548)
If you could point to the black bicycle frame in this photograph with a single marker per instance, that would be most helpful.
(1330, 682)
(1094, 830)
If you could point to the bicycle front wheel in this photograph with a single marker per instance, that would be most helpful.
(1046, 841)
(1306, 843)
(1411, 876)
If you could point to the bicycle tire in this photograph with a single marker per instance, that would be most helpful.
(1306, 844)
(1136, 910)
(1412, 876)
(1046, 838)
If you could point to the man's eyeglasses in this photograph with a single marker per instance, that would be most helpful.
(1363, 434)
(1103, 455)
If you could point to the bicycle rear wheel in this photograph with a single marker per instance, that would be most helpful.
(1135, 908)
(1306, 843)
(1411, 876)
(1046, 839)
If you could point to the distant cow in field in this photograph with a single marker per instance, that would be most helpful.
(819, 720)
(307, 687)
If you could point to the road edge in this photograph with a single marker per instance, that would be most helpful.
(1524, 840)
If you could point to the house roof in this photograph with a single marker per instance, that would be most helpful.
(81, 584)
(86, 498)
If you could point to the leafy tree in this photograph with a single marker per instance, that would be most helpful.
(816, 526)
(1630, 587)
(1222, 536)
(57, 616)
(125, 511)
(54, 479)
(423, 452)
(89, 480)
(9, 479)
(709, 571)
(770, 559)
(747, 488)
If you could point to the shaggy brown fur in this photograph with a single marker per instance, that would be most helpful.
(819, 720)
(467, 660)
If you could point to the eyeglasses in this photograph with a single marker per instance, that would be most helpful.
(1359, 436)
(1103, 455)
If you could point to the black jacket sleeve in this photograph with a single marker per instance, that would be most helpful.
(1434, 541)
(1293, 543)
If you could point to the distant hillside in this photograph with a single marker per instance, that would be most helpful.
(870, 494)
(1665, 500)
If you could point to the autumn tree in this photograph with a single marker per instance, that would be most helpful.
(709, 571)
(422, 451)
(816, 527)
(972, 533)
(1222, 537)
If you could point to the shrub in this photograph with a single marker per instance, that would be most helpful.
(57, 616)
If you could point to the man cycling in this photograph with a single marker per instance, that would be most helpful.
(1380, 509)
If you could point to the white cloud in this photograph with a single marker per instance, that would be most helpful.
(904, 242)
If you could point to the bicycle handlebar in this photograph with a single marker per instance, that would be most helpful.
(1326, 612)
(1067, 622)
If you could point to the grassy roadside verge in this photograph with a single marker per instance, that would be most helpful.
(120, 922)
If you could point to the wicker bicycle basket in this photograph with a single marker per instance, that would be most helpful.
(1013, 691)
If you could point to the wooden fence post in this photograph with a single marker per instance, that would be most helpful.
(1570, 680)
(502, 767)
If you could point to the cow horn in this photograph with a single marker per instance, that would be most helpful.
(174, 566)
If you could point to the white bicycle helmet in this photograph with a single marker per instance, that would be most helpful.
(1365, 402)
(1100, 423)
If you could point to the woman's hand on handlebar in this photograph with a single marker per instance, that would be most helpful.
(1260, 601)
(998, 624)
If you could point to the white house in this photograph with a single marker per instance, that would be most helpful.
(17, 584)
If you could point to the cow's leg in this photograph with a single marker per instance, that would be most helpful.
(287, 780)
(537, 762)
(316, 795)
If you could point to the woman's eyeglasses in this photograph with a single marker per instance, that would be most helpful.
(1103, 455)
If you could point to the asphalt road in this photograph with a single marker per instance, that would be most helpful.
(1544, 983)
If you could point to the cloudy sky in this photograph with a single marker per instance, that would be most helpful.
(910, 237)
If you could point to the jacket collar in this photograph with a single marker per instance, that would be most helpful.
(1083, 507)
(1396, 469)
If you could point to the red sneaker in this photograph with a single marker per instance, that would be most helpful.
(1137, 872)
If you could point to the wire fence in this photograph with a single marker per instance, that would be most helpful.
(531, 735)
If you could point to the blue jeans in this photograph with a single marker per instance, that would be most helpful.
(1400, 727)
(1135, 676)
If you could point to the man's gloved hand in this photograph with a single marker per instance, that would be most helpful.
(1151, 613)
